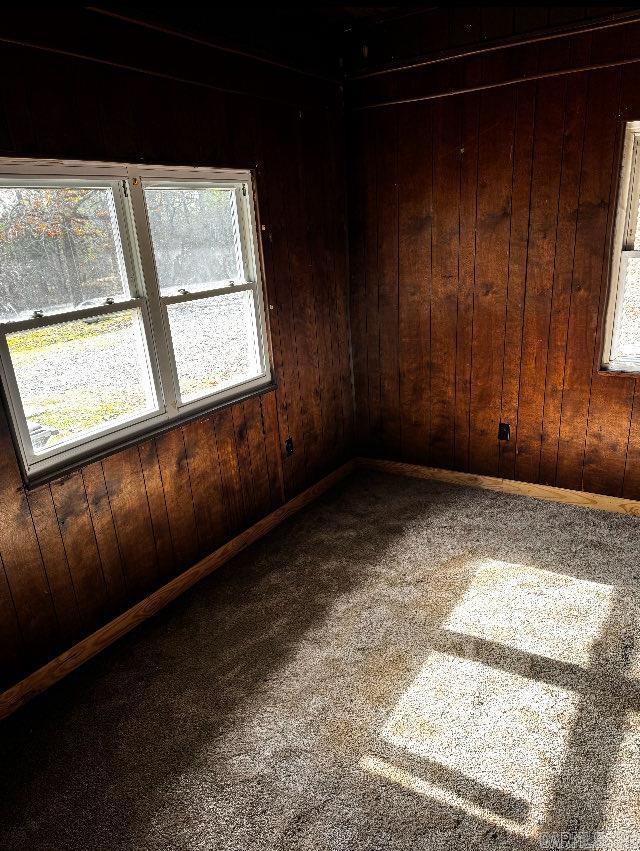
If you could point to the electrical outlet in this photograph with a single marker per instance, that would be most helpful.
(288, 446)
(504, 431)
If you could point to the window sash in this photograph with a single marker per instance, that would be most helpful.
(158, 301)
(239, 189)
(182, 299)
(125, 223)
(128, 183)
(100, 435)
(623, 250)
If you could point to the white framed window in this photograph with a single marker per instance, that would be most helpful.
(130, 297)
(621, 350)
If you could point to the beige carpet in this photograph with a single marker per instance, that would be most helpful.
(406, 665)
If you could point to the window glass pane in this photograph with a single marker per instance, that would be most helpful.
(214, 342)
(627, 331)
(59, 249)
(195, 237)
(78, 378)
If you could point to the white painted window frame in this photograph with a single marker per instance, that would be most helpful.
(127, 182)
(622, 248)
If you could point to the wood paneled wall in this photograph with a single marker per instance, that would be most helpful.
(405, 36)
(76, 552)
(479, 265)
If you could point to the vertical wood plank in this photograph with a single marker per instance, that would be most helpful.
(518, 246)
(285, 349)
(543, 223)
(314, 141)
(240, 427)
(415, 184)
(55, 562)
(259, 466)
(567, 221)
(272, 449)
(610, 412)
(372, 285)
(206, 484)
(336, 213)
(358, 214)
(156, 501)
(12, 656)
(229, 470)
(466, 276)
(128, 499)
(445, 253)
(495, 163)
(176, 484)
(22, 560)
(387, 251)
(631, 484)
(597, 164)
(105, 534)
(80, 545)
(304, 313)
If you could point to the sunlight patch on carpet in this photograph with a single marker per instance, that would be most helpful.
(536, 611)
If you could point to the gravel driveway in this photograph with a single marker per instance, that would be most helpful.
(73, 382)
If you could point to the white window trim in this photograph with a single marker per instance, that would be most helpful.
(127, 182)
(622, 247)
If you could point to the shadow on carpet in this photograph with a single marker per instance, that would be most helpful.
(404, 665)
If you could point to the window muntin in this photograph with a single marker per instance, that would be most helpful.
(92, 359)
(622, 329)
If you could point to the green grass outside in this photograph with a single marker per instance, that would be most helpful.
(77, 412)
(36, 340)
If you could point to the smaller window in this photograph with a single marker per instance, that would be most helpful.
(622, 330)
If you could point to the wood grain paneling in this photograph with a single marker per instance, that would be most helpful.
(81, 550)
(445, 268)
(493, 220)
(415, 217)
(435, 32)
(526, 100)
(479, 226)
(488, 67)
(504, 217)
(71, 658)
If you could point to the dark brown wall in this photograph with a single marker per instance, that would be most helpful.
(82, 549)
(406, 35)
(479, 264)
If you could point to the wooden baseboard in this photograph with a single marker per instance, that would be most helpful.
(547, 492)
(44, 677)
(66, 662)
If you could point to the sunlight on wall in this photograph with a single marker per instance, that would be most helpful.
(533, 610)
